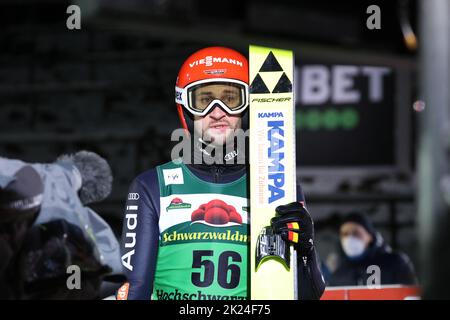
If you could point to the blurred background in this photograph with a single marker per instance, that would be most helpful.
(108, 87)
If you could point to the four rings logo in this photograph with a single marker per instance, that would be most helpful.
(133, 196)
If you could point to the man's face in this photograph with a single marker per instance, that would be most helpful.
(357, 231)
(217, 126)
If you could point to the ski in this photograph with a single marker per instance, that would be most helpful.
(272, 170)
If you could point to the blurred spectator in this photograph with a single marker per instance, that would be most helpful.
(20, 202)
(362, 246)
(46, 229)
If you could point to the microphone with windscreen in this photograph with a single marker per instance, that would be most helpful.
(94, 175)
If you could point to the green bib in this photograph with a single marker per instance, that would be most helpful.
(204, 240)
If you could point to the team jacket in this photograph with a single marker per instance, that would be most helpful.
(185, 236)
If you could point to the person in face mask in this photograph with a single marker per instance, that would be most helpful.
(362, 246)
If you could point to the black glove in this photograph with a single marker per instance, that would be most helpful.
(293, 222)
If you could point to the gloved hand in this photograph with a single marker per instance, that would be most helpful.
(293, 222)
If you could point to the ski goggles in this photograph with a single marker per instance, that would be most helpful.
(200, 96)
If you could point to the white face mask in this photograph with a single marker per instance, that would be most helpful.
(353, 246)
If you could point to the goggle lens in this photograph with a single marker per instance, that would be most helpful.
(230, 94)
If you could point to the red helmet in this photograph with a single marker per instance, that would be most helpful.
(210, 77)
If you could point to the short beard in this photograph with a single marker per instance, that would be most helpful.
(220, 140)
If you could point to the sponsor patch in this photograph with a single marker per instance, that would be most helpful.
(122, 293)
(215, 71)
(177, 203)
(173, 176)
